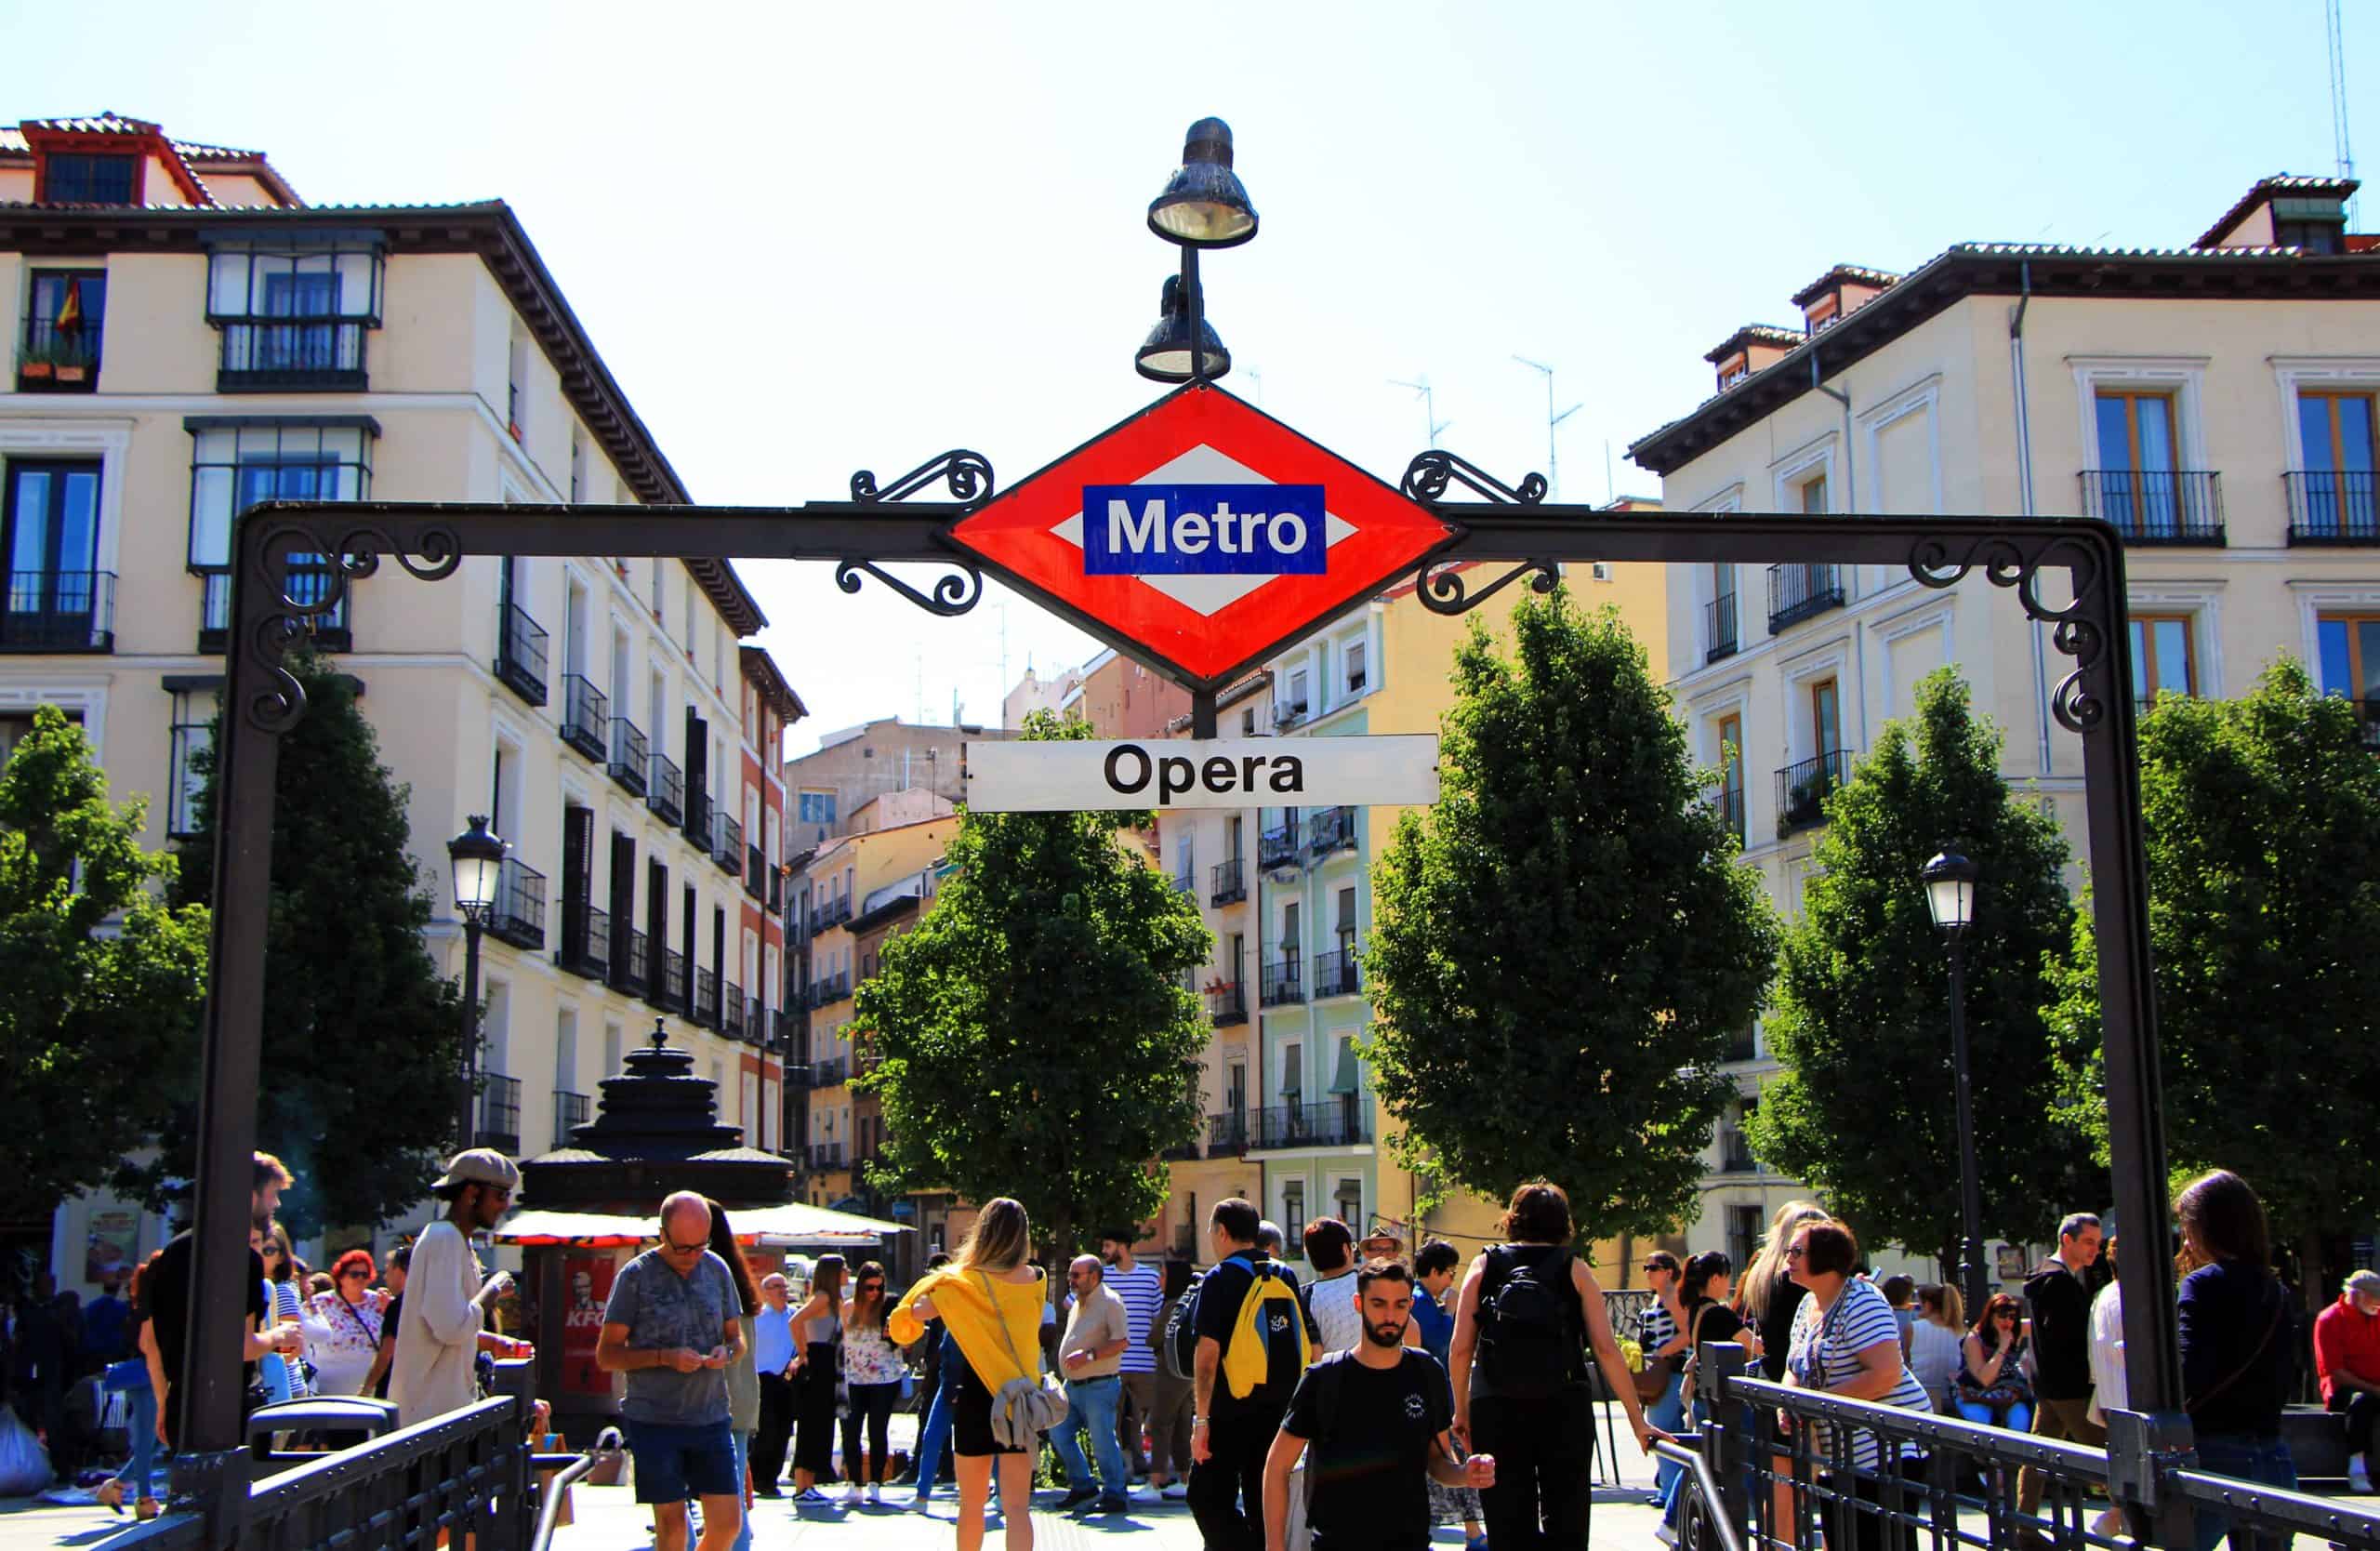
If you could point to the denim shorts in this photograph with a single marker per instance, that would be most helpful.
(675, 1461)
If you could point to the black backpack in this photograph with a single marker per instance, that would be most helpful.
(1283, 1361)
(1179, 1350)
(1531, 1330)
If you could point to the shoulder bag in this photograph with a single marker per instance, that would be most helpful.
(1693, 1345)
(1024, 1408)
(1653, 1379)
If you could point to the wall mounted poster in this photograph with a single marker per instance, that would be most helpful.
(587, 1283)
(114, 1245)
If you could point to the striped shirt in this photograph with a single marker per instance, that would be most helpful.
(1825, 1352)
(1655, 1329)
(1142, 1290)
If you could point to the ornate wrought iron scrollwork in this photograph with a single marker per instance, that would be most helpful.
(1428, 475)
(432, 555)
(2076, 631)
(954, 592)
(1441, 589)
(969, 475)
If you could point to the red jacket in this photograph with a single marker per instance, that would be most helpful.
(2347, 1340)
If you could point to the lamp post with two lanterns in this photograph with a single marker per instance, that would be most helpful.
(1950, 898)
(478, 859)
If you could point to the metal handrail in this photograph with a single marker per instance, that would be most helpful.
(2335, 1521)
(1706, 1487)
(549, 1507)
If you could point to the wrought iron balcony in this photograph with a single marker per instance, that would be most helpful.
(1284, 982)
(1279, 847)
(827, 1155)
(499, 1124)
(664, 791)
(755, 869)
(1719, 627)
(727, 842)
(323, 352)
(629, 758)
(1735, 1153)
(1185, 883)
(835, 912)
(2152, 506)
(1801, 591)
(695, 825)
(586, 939)
(2332, 506)
(1340, 1122)
(670, 994)
(1336, 973)
(585, 712)
(1801, 789)
(829, 1074)
(1228, 1133)
(571, 1111)
(60, 611)
(733, 1014)
(519, 915)
(1227, 1004)
(704, 1010)
(632, 963)
(1331, 829)
(1230, 883)
(520, 652)
(1730, 799)
(306, 582)
(57, 360)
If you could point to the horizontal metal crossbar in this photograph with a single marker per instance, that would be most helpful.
(1973, 1439)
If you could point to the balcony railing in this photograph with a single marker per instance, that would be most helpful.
(1335, 974)
(1729, 800)
(306, 582)
(1341, 1123)
(586, 712)
(1801, 789)
(1798, 593)
(665, 793)
(755, 869)
(1185, 882)
(521, 654)
(1278, 847)
(2153, 506)
(1735, 1153)
(2332, 506)
(1719, 627)
(784, 1026)
(60, 611)
(519, 915)
(727, 842)
(835, 912)
(586, 939)
(695, 822)
(296, 352)
(1743, 1045)
(629, 756)
(829, 1074)
(735, 1019)
(1229, 880)
(1331, 829)
(60, 361)
(1228, 1133)
(670, 995)
(499, 1124)
(1284, 982)
(827, 1155)
(704, 1011)
(632, 963)
(1227, 1004)
(570, 1113)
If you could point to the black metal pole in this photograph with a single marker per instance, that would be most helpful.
(1202, 713)
(469, 1078)
(1193, 297)
(1970, 1186)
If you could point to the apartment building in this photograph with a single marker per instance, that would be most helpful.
(2215, 401)
(1121, 698)
(859, 764)
(188, 337)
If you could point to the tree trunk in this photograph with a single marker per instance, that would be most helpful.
(2313, 1271)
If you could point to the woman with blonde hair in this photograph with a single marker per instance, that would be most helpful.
(1771, 1295)
(990, 1301)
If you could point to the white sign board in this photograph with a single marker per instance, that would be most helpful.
(1222, 772)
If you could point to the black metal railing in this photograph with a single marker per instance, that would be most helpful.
(696, 823)
(296, 352)
(1735, 1153)
(704, 1010)
(629, 756)
(2332, 506)
(2156, 506)
(835, 912)
(1801, 789)
(665, 793)
(632, 963)
(1798, 592)
(60, 611)
(1284, 982)
(1228, 883)
(827, 1155)
(727, 842)
(570, 1112)
(1228, 1133)
(1279, 847)
(405, 1490)
(520, 652)
(1331, 829)
(671, 993)
(305, 582)
(755, 869)
(499, 1124)
(829, 1074)
(834, 988)
(1227, 1004)
(1719, 627)
(585, 712)
(732, 1021)
(55, 360)
(519, 915)
(1729, 798)
(1335, 974)
(1339, 1122)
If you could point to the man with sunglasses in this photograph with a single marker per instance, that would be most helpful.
(443, 1325)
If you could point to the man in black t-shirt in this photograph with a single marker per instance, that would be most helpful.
(165, 1298)
(1229, 1434)
(1376, 1419)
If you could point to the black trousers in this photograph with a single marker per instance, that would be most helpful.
(2362, 1410)
(775, 1434)
(814, 1445)
(1235, 1469)
(1545, 1451)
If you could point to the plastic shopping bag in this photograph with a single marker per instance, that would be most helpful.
(24, 1464)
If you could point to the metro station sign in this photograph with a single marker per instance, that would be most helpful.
(1205, 531)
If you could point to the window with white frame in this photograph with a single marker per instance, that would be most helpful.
(191, 741)
(236, 463)
(1353, 657)
(292, 316)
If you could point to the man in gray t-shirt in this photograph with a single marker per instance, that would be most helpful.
(672, 1327)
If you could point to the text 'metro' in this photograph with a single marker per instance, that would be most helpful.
(1204, 530)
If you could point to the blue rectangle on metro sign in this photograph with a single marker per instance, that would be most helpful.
(1204, 530)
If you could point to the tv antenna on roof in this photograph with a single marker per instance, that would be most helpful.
(1553, 459)
(1428, 406)
(2336, 39)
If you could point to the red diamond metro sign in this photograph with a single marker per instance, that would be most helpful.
(1202, 530)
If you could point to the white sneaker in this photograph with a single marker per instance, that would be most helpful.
(851, 1495)
(875, 1492)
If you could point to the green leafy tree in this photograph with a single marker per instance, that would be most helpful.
(1866, 1108)
(1034, 1035)
(100, 980)
(2261, 819)
(1563, 946)
(362, 1033)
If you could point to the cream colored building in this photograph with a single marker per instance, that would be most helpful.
(188, 337)
(2215, 401)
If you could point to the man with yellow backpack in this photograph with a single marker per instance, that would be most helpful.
(1254, 1339)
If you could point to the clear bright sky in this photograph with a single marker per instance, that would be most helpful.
(814, 238)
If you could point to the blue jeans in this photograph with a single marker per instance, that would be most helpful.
(2250, 1457)
(142, 1405)
(935, 1434)
(1682, 1482)
(2018, 1418)
(1669, 1415)
(743, 1467)
(1090, 1403)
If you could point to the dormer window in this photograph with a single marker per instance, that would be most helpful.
(1737, 368)
(1825, 313)
(85, 177)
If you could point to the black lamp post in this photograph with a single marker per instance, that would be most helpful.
(1203, 205)
(478, 859)
(1949, 897)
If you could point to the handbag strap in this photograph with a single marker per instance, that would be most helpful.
(356, 1314)
(1006, 1340)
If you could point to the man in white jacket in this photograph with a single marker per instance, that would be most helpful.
(443, 1325)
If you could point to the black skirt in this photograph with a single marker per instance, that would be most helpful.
(971, 1416)
(813, 1409)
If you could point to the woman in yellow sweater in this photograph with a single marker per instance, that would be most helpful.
(990, 1302)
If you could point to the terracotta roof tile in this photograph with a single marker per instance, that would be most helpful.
(1855, 273)
(2266, 187)
(1754, 334)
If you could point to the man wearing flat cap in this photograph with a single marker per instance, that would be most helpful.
(444, 1324)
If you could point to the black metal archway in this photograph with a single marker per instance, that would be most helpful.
(1504, 523)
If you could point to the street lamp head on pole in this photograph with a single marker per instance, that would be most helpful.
(478, 858)
(1203, 205)
(1165, 356)
(1950, 891)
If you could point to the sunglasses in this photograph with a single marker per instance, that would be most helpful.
(870, 1286)
(1793, 1251)
(673, 1247)
(355, 1275)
